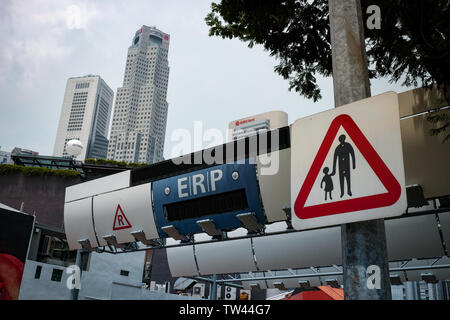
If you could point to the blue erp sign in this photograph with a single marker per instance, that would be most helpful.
(218, 193)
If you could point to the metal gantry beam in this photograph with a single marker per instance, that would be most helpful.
(323, 274)
(255, 235)
(211, 280)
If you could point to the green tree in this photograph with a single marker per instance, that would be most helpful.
(412, 45)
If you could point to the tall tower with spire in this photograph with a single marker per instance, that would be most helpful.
(140, 113)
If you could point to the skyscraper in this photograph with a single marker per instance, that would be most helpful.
(85, 116)
(140, 112)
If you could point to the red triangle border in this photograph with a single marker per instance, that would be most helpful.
(349, 205)
(115, 219)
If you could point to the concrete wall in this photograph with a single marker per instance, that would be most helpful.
(102, 281)
(104, 269)
(43, 195)
(42, 288)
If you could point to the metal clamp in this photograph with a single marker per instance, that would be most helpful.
(333, 283)
(305, 284)
(395, 280)
(249, 222)
(173, 232)
(288, 212)
(112, 241)
(140, 236)
(209, 227)
(85, 244)
(429, 277)
(255, 285)
(279, 285)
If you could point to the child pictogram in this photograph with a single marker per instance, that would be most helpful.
(328, 183)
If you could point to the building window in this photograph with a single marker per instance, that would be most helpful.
(124, 273)
(37, 274)
(57, 275)
(82, 85)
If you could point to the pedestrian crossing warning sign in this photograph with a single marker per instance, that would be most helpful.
(344, 161)
(347, 164)
(120, 220)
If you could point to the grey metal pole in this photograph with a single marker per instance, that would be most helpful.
(363, 243)
(213, 293)
(79, 263)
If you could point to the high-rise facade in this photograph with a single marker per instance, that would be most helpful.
(85, 116)
(5, 157)
(140, 113)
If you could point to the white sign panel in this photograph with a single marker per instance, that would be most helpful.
(347, 164)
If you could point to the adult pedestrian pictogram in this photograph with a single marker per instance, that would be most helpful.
(344, 153)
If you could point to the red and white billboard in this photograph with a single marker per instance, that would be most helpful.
(15, 234)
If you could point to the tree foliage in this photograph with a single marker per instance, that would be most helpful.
(6, 169)
(412, 45)
(295, 32)
(115, 163)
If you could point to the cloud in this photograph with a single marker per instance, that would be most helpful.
(33, 34)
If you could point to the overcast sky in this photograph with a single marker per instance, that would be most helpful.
(210, 79)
